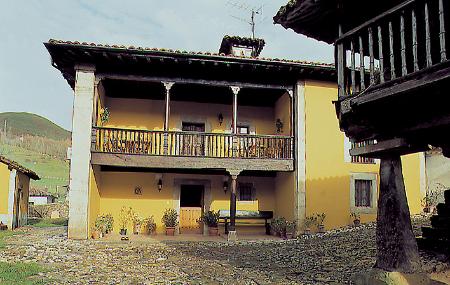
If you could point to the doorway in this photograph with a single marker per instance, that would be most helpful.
(191, 208)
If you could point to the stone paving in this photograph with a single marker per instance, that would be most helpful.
(330, 258)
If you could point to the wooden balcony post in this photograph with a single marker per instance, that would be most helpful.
(167, 86)
(235, 90)
(341, 64)
(232, 228)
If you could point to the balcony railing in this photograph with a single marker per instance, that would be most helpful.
(191, 144)
(410, 37)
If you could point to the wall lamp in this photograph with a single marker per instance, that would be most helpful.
(220, 117)
(158, 178)
(225, 184)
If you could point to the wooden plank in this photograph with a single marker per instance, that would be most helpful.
(428, 36)
(398, 146)
(372, 58)
(414, 40)
(391, 49)
(380, 54)
(442, 31)
(403, 45)
(361, 64)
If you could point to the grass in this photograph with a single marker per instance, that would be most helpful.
(45, 223)
(54, 172)
(5, 234)
(21, 274)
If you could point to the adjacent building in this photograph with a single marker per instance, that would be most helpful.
(156, 129)
(14, 189)
(41, 197)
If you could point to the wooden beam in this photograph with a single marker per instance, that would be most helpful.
(220, 83)
(398, 146)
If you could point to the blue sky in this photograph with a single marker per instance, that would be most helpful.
(28, 82)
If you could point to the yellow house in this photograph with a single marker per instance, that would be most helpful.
(155, 129)
(14, 189)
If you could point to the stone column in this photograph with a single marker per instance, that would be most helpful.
(81, 152)
(396, 245)
(235, 90)
(232, 228)
(167, 86)
(299, 127)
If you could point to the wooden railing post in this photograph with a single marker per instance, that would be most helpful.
(341, 65)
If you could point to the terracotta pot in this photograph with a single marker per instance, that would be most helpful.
(356, 222)
(170, 231)
(213, 231)
(123, 232)
(321, 229)
(96, 234)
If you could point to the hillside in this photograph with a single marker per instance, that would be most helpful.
(31, 124)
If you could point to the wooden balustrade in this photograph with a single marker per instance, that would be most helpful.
(192, 144)
(406, 39)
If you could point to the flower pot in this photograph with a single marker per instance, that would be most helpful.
(321, 229)
(123, 232)
(96, 234)
(213, 231)
(170, 231)
(356, 222)
(307, 231)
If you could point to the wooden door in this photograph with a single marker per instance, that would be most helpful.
(191, 208)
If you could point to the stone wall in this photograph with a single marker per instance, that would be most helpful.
(54, 210)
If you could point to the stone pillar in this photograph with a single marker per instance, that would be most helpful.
(396, 245)
(234, 119)
(232, 228)
(81, 152)
(167, 86)
(299, 134)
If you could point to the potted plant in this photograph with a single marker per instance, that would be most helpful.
(320, 218)
(356, 219)
(211, 219)
(278, 227)
(109, 223)
(290, 229)
(309, 222)
(137, 223)
(124, 219)
(170, 221)
(200, 224)
(95, 233)
(100, 226)
(150, 225)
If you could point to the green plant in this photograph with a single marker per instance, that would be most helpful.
(100, 225)
(211, 218)
(170, 218)
(149, 224)
(104, 115)
(290, 226)
(278, 225)
(125, 215)
(320, 218)
(355, 216)
(309, 221)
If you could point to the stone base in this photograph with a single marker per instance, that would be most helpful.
(232, 236)
(382, 277)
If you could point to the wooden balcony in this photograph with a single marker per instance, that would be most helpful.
(392, 71)
(159, 149)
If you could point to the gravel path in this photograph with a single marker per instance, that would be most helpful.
(331, 258)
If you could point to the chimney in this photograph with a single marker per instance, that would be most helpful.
(241, 46)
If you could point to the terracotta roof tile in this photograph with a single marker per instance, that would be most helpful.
(12, 164)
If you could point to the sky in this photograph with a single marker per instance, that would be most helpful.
(28, 83)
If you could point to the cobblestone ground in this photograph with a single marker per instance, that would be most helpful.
(321, 259)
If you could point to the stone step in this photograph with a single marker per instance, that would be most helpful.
(440, 222)
(443, 210)
(434, 245)
(447, 197)
(436, 233)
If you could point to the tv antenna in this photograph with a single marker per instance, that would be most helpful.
(255, 11)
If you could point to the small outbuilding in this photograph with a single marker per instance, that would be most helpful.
(14, 192)
(41, 197)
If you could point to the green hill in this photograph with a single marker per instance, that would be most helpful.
(31, 124)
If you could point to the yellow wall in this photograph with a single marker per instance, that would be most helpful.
(284, 195)
(327, 174)
(94, 196)
(149, 115)
(116, 189)
(4, 188)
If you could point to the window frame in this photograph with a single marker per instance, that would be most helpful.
(373, 177)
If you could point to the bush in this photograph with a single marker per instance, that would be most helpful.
(170, 218)
(150, 225)
(125, 215)
(211, 218)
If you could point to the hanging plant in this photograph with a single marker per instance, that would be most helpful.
(104, 115)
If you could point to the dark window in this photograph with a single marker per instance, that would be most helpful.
(244, 130)
(193, 127)
(363, 193)
(191, 196)
(246, 192)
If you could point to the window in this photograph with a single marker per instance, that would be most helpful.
(348, 145)
(363, 193)
(244, 130)
(246, 192)
(363, 189)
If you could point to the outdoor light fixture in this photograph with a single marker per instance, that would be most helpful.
(225, 184)
(158, 178)
(220, 119)
(279, 125)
